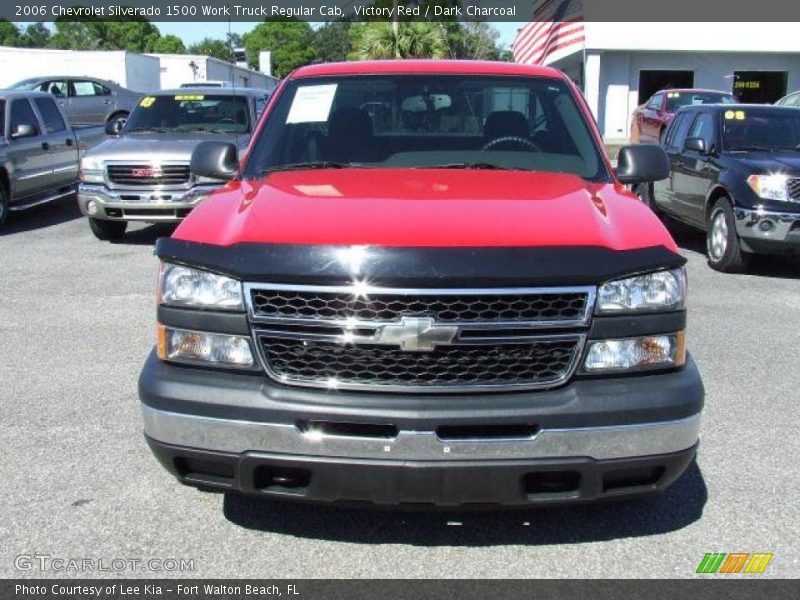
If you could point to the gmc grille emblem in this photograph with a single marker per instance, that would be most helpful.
(145, 172)
(417, 334)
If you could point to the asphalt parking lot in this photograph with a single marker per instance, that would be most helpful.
(77, 318)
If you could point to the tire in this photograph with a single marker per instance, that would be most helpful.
(118, 120)
(724, 249)
(3, 204)
(107, 230)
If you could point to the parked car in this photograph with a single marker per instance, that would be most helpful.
(735, 174)
(792, 99)
(86, 100)
(38, 152)
(650, 120)
(143, 174)
(444, 310)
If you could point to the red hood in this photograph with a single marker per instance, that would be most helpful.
(424, 207)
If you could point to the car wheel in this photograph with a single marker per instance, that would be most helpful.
(3, 205)
(117, 121)
(724, 248)
(107, 230)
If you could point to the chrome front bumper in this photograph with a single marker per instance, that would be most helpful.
(600, 443)
(99, 202)
(764, 225)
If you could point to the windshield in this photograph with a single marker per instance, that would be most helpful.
(414, 121)
(190, 112)
(754, 128)
(677, 99)
(24, 84)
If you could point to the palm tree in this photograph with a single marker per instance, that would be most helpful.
(375, 40)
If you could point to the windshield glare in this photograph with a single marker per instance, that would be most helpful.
(677, 99)
(755, 129)
(413, 121)
(24, 84)
(190, 112)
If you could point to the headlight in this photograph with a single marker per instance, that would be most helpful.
(91, 170)
(640, 353)
(660, 291)
(770, 187)
(184, 286)
(182, 345)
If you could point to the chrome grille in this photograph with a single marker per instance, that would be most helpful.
(430, 340)
(452, 307)
(793, 186)
(148, 175)
(535, 363)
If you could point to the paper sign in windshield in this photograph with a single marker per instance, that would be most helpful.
(312, 104)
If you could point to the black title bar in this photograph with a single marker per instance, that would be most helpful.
(403, 10)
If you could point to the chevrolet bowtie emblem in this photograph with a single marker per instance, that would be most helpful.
(417, 334)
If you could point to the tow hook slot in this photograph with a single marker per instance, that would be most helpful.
(345, 429)
(465, 433)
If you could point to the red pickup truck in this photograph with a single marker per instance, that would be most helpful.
(424, 284)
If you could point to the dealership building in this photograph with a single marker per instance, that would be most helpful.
(138, 72)
(620, 65)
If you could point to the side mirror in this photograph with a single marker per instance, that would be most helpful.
(217, 160)
(642, 163)
(23, 130)
(695, 144)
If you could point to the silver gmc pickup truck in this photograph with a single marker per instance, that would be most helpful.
(143, 173)
(39, 151)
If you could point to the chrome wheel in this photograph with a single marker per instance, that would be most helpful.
(718, 236)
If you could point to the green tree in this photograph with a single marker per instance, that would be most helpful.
(214, 48)
(168, 44)
(291, 43)
(36, 35)
(75, 35)
(399, 40)
(332, 41)
(9, 34)
(135, 35)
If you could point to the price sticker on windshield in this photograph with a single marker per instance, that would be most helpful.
(738, 115)
(147, 101)
(190, 97)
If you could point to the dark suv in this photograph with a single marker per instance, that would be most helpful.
(735, 173)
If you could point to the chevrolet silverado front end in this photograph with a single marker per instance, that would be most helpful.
(424, 285)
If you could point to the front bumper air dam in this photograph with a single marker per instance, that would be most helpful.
(593, 439)
(768, 231)
(140, 204)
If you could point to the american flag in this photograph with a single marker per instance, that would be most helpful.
(556, 29)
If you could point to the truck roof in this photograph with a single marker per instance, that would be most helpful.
(211, 90)
(474, 67)
(11, 94)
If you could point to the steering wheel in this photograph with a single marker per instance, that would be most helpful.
(513, 139)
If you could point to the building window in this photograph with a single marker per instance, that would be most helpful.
(652, 81)
(759, 87)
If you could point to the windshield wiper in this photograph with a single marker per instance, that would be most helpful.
(470, 165)
(302, 166)
(148, 130)
(752, 149)
(207, 130)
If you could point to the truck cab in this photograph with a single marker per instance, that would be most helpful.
(38, 152)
